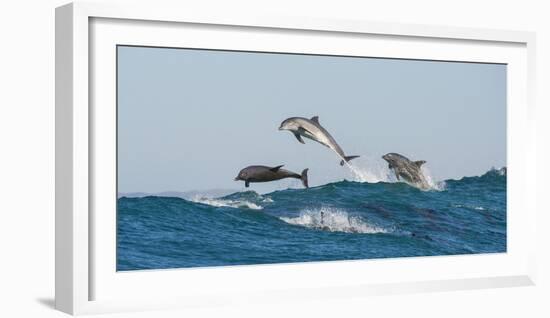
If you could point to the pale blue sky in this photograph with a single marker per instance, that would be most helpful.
(191, 119)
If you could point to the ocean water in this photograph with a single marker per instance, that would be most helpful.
(338, 221)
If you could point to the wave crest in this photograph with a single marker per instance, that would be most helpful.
(237, 204)
(433, 185)
(369, 170)
(372, 170)
(333, 220)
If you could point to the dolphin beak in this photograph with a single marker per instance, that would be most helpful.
(280, 128)
(236, 179)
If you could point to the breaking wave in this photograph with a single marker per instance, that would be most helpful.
(333, 220)
(237, 204)
(371, 170)
(433, 185)
(239, 200)
(366, 169)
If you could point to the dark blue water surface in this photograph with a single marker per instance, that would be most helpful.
(338, 221)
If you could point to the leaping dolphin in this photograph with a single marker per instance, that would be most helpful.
(408, 170)
(312, 129)
(265, 174)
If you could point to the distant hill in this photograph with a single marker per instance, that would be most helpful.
(214, 193)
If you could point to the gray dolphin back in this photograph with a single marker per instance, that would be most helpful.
(312, 129)
(266, 174)
(409, 170)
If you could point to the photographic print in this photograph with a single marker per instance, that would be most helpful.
(244, 158)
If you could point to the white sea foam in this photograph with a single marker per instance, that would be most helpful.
(500, 171)
(366, 169)
(333, 220)
(242, 204)
(434, 185)
(478, 208)
(371, 170)
(267, 200)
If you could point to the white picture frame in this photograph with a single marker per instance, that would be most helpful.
(87, 282)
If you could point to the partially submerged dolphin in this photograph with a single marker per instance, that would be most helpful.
(409, 170)
(312, 129)
(265, 174)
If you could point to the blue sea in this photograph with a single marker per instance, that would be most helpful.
(338, 221)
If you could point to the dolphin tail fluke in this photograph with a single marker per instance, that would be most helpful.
(304, 178)
(348, 158)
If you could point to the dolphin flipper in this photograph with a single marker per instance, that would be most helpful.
(397, 175)
(299, 138)
(246, 183)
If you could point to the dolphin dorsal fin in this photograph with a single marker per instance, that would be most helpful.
(275, 169)
(419, 163)
(315, 119)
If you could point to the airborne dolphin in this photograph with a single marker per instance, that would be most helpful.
(408, 170)
(265, 174)
(312, 129)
